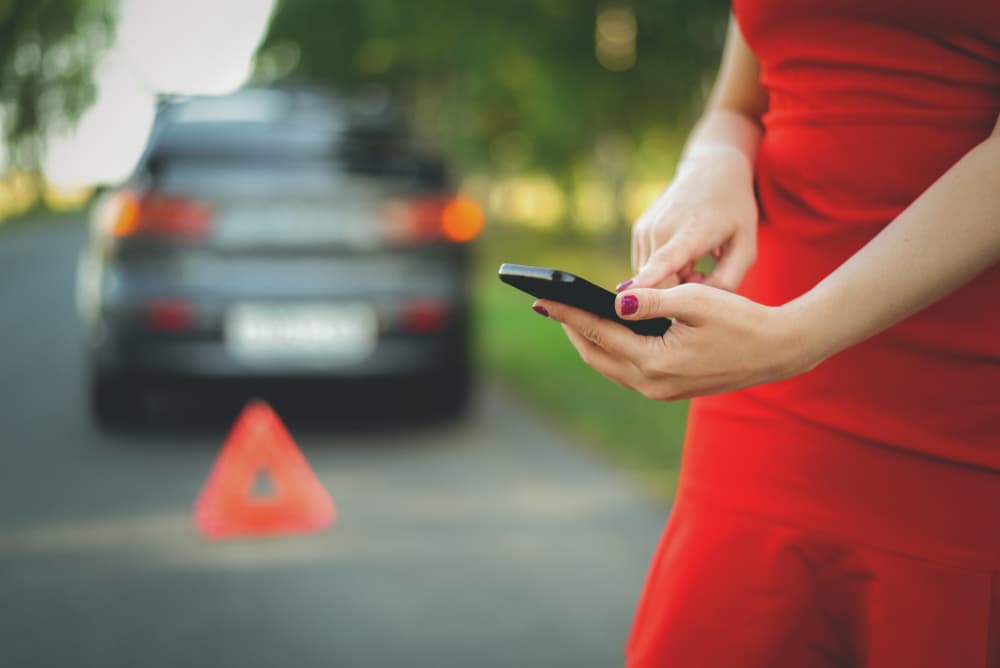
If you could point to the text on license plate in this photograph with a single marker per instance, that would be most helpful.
(316, 334)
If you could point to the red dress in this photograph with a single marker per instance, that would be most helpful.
(849, 516)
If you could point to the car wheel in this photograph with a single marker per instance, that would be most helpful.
(454, 383)
(115, 402)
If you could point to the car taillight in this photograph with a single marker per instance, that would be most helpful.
(169, 314)
(462, 219)
(425, 315)
(422, 219)
(154, 214)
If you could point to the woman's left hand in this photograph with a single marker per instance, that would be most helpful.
(718, 342)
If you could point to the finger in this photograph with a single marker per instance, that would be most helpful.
(670, 281)
(613, 368)
(636, 249)
(645, 247)
(736, 260)
(670, 259)
(690, 303)
(613, 337)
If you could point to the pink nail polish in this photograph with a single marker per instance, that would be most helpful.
(624, 284)
(540, 310)
(629, 304)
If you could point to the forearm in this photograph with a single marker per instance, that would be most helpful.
(946, 237)
(732, 119)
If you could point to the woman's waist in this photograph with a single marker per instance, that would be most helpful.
(754, 455)
(856, 168)
(929, 383)
(906, 389)
(795, 254)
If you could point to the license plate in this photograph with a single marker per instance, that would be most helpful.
(295, 226)
(313, 335)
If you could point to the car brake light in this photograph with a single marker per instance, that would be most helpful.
(153, 214)
(423, 219)
(169, 314)
(425, 315)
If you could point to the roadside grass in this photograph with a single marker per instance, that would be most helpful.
(532, 357)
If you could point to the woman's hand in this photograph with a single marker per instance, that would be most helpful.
(718, 342)
(708, 208)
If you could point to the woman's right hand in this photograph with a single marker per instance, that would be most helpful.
(708, 208)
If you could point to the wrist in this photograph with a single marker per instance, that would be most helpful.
(805, 339)
(713, 171)
(715, 156)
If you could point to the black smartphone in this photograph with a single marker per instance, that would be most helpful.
(564, 287)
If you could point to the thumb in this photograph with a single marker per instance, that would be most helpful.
(688, 303)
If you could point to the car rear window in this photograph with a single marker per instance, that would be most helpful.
(311, 151)
(294, 136)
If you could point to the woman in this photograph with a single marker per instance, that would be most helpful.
(839, 500)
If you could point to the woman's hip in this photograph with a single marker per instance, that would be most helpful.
(744, 453)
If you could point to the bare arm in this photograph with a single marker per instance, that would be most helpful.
(709, 206)
(732, 116)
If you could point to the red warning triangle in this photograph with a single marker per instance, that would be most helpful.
(259, 442)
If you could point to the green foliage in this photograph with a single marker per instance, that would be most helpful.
(514, 78)
(47, 53)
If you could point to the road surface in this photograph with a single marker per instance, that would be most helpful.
(488, 542)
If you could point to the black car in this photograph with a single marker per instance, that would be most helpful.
(277, 235)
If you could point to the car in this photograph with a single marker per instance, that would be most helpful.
(278, 234)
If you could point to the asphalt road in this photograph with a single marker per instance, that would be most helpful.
(487, 542)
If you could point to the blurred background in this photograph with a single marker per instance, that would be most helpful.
(307, 201)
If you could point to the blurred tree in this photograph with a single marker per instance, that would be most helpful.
(47, 54)
(518, 84)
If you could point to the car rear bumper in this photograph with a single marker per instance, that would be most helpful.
(185, 359)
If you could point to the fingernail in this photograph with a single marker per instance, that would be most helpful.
(629, 304)
(540, 310)
(624, 284)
